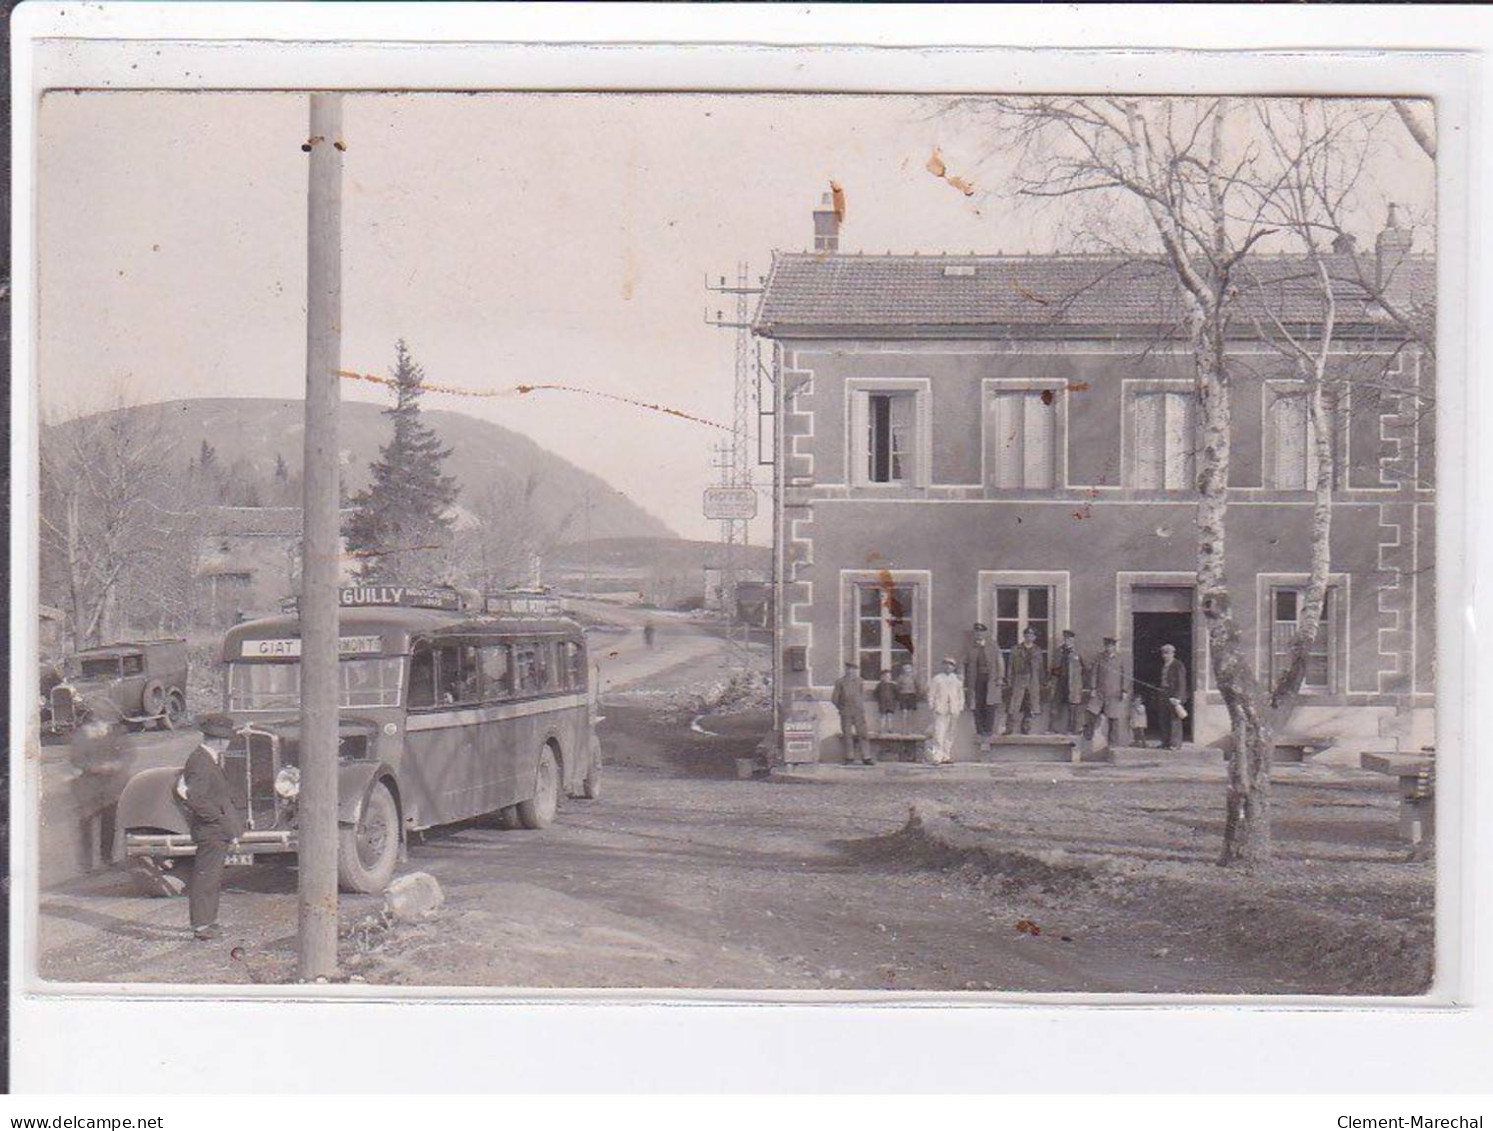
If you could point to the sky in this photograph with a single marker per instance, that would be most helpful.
(509, 238)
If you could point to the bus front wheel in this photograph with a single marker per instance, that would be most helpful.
(368, 852)
(539, 811)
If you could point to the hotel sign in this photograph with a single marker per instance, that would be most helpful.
(730, 502)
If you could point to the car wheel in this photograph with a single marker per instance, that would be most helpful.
(368, 852)
(153, 698)
(176, 711)
(539, 811)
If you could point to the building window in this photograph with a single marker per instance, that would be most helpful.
(1293, 458)
(1286, 606)
(890, 422)
(1163, 447)
(885, 627)
(885, 437)
(1019, 607)
(1021, 438)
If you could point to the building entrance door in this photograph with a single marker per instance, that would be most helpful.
(1161, 615)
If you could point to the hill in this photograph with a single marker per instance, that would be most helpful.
(258, 430)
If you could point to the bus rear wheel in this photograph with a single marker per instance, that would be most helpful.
(539, 811)
(368, 852)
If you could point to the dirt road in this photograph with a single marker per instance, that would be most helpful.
(681, 876)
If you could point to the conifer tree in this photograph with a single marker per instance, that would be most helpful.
(401, 523)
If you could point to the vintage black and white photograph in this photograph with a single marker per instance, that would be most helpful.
(747, 542)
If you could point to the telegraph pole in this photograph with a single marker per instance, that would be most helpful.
(317, 903)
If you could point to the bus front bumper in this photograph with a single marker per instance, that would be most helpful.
(178, 844)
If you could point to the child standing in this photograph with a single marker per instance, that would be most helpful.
(908, 696)
(887, 700)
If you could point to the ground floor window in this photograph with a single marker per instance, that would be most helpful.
(1019, 607)
(885, 626)
(1287, 603)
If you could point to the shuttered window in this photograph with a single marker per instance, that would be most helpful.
(886, 427)
(1294, 463)
(1162, 455)
(1021, 438)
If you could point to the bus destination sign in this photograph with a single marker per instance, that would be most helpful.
(399, 596)
(289, 648)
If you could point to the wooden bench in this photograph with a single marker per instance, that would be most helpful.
(1417, 779)
(1032, 748)
(1300, 747)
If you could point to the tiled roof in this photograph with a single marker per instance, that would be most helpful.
(903, 293)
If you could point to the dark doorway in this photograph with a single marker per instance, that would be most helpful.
(1155, 624)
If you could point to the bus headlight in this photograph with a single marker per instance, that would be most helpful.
(288, 782)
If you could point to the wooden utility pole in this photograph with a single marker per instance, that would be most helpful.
(322, 544)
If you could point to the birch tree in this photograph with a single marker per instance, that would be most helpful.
(117, 531)
(1189, 171)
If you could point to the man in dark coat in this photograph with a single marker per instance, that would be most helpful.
(1173, 695)
(214, 822)
(849, 698)
(983, 675)
(1068, 690)
(1027, 667)
(1107, 674)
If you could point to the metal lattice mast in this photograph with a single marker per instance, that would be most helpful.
(737, 459)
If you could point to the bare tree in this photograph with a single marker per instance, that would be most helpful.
(116, 530)
(1207, 184)
(512, 533)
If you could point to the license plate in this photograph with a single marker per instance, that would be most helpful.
(238, 859)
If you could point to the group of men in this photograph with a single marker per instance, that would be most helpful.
(1078, 692)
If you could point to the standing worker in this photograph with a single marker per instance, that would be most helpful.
(1107, 674)
(1068, 691)
(1025, 676)
(214, 822)
(946, 698)
(648, 633)
(984, 673)
(849, 697)
(1173, 695)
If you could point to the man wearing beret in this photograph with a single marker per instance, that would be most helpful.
(215, 823)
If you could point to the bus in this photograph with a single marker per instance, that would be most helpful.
(449, 711)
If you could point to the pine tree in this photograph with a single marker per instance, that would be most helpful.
(401, 523)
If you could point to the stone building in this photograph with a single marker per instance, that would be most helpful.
(1010, 439)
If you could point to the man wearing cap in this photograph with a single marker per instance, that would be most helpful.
(1173, 696)
(1068, 691)
(849, 698)
(1025, 678)
(983, 675)
(946, 700)
(215, 823)
(1107, 675)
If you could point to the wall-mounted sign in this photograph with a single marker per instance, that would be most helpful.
(730, 502)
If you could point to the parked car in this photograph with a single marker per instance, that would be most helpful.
(133, 683)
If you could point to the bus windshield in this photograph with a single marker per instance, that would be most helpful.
(277, 687)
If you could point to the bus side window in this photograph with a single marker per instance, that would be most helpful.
(456, 674)
(422, 676)
(526, 668)
(575, 657)
(497, 673)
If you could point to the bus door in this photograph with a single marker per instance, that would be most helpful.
(497, 685)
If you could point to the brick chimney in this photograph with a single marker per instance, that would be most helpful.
(827, 225)
(1392, 246)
